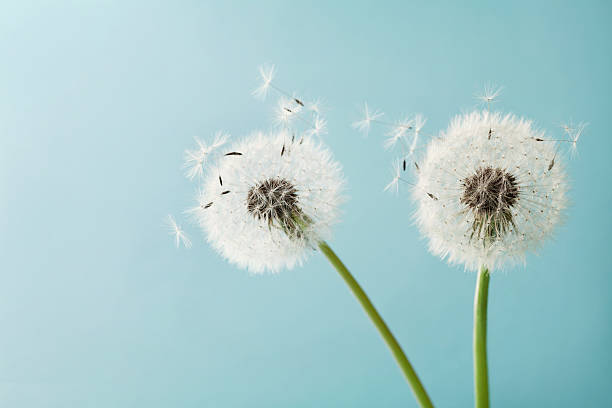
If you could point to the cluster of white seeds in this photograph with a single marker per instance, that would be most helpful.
(488, 190)
(268, 199)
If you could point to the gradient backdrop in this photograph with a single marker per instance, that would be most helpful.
(98, 100)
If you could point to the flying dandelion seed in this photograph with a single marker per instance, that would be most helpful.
(195, 159)
(319, 127)
(368, 117)
(266, 74)
(287, 110)
(573, 133)
(278, 201)
(491, 92)
(179, 235)
(393, 186)
(398, 132)
(495, 198)
(419, 122)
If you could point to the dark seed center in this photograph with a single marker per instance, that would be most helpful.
(490, 190)
(490, 193)
(276, 201)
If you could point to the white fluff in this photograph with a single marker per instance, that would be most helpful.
(177, 232)
(250, 242)
(477, 140)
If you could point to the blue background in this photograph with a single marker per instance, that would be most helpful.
(98, 100)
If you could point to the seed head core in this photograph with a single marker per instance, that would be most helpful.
(275, 200)
(490, 193)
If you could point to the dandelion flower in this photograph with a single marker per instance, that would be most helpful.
(179, 235)
(488, 199)
(272, 199)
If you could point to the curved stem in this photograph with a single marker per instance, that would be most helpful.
(396, 349)
(481, 376)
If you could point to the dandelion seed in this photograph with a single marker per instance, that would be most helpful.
(266, 73)
(315, 107)
(368, 117)
(319, 127)
(398, 132)
(573, 133)
(286, 111)
(176, 231)
(194, 159)
(491, 92)
(488, 201)
(393, 186)
(279, 207)
(419, 122)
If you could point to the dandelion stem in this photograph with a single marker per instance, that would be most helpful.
(481, 376)
(396, 349)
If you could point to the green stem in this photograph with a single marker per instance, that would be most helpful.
(481, 376)
(396, 349)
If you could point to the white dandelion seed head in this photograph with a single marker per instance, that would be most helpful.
(271, 200)
(363, 125)
(489, 198)
(266, 75)
(176, 231)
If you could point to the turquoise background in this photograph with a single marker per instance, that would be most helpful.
(98, 100)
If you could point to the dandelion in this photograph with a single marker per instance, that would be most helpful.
(272, 201)
(179, 235)
(368, 117)
(485, 200)
(278, 198)
(499, 198)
